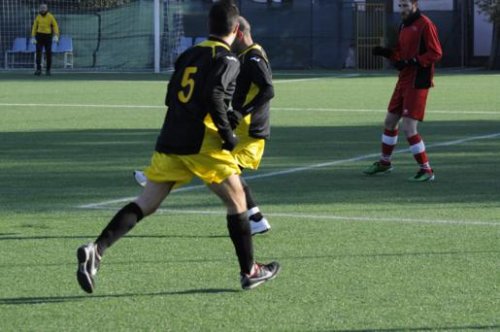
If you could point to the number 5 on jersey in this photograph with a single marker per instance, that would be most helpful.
(187, 84)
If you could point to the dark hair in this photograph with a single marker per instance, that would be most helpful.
(223, 18)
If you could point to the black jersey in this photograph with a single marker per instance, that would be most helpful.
(199, 92)
(254, 90)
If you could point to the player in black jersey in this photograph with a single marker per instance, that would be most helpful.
(250, 117)
(196, 140)
(251, 113)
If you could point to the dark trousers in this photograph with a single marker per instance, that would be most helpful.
(43, 40)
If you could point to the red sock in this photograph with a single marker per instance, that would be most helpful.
(417, 147)
(389, 141)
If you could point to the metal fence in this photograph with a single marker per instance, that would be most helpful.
(297, 34)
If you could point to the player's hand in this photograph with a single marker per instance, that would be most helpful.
(382, 51)
(234, 118)
(402, 64)
(55, 39)
(229, 140)
(33, 41)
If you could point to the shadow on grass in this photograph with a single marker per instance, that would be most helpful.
(27, 75)
(73, 298)
(444, 328)
(281, 258)
(61, 169)
(86, 237)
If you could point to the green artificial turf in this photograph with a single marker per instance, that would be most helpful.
(358, 253)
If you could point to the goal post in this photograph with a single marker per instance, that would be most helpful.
(157, 35)
(370, 21)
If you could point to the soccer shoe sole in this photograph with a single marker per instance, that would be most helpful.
(140, 178)
(431, 179)
(260, 282)
(82, 275)
(387, 171)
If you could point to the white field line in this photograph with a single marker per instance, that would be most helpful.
(332, 217)
(311, 109)
(367, 110)
(295, 80)
(79, 105)
(306, 168)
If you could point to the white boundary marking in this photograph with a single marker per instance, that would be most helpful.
(305, 168)
(79, 105)
(333, 217)
(311, 109)
(295, 80)
(367, 110)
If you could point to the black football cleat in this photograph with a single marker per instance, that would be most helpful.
(261, 273)
(38, 72)
(88, 264)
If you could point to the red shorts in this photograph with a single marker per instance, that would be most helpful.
(409, 102)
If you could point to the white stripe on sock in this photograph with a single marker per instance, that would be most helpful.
(418, 148)
(389, 140)
(253, 211)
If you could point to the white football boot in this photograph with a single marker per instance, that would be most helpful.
(88, 264)
(258, 227)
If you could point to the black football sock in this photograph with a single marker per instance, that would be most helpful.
(120, 225)
(255, 214)
(239, 231)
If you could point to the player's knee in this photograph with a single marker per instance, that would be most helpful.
(391, 123)
(147, 207)
(236, 203)
(409, 127)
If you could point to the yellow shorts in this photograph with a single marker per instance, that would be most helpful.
(210, 167)
(249, 151)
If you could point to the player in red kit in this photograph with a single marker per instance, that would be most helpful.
(415, 55)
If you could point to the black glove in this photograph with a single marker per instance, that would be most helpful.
(229, 140)
(382, 51)
(234, 118)
(402, 64)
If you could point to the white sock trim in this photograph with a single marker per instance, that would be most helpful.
(389, 140)
(253, 211)
(418, 148)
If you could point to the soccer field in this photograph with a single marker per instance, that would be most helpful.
(358, 253)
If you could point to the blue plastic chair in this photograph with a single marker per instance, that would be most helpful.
(18, 46)
(31, 48)
(199, 40)
(184, 44)
(65, 44)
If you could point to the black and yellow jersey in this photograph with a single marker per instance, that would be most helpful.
(254, 90)
(198, 97)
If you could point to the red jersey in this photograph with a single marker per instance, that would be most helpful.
(418, 38)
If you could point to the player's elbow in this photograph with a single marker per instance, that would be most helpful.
(269, 92)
